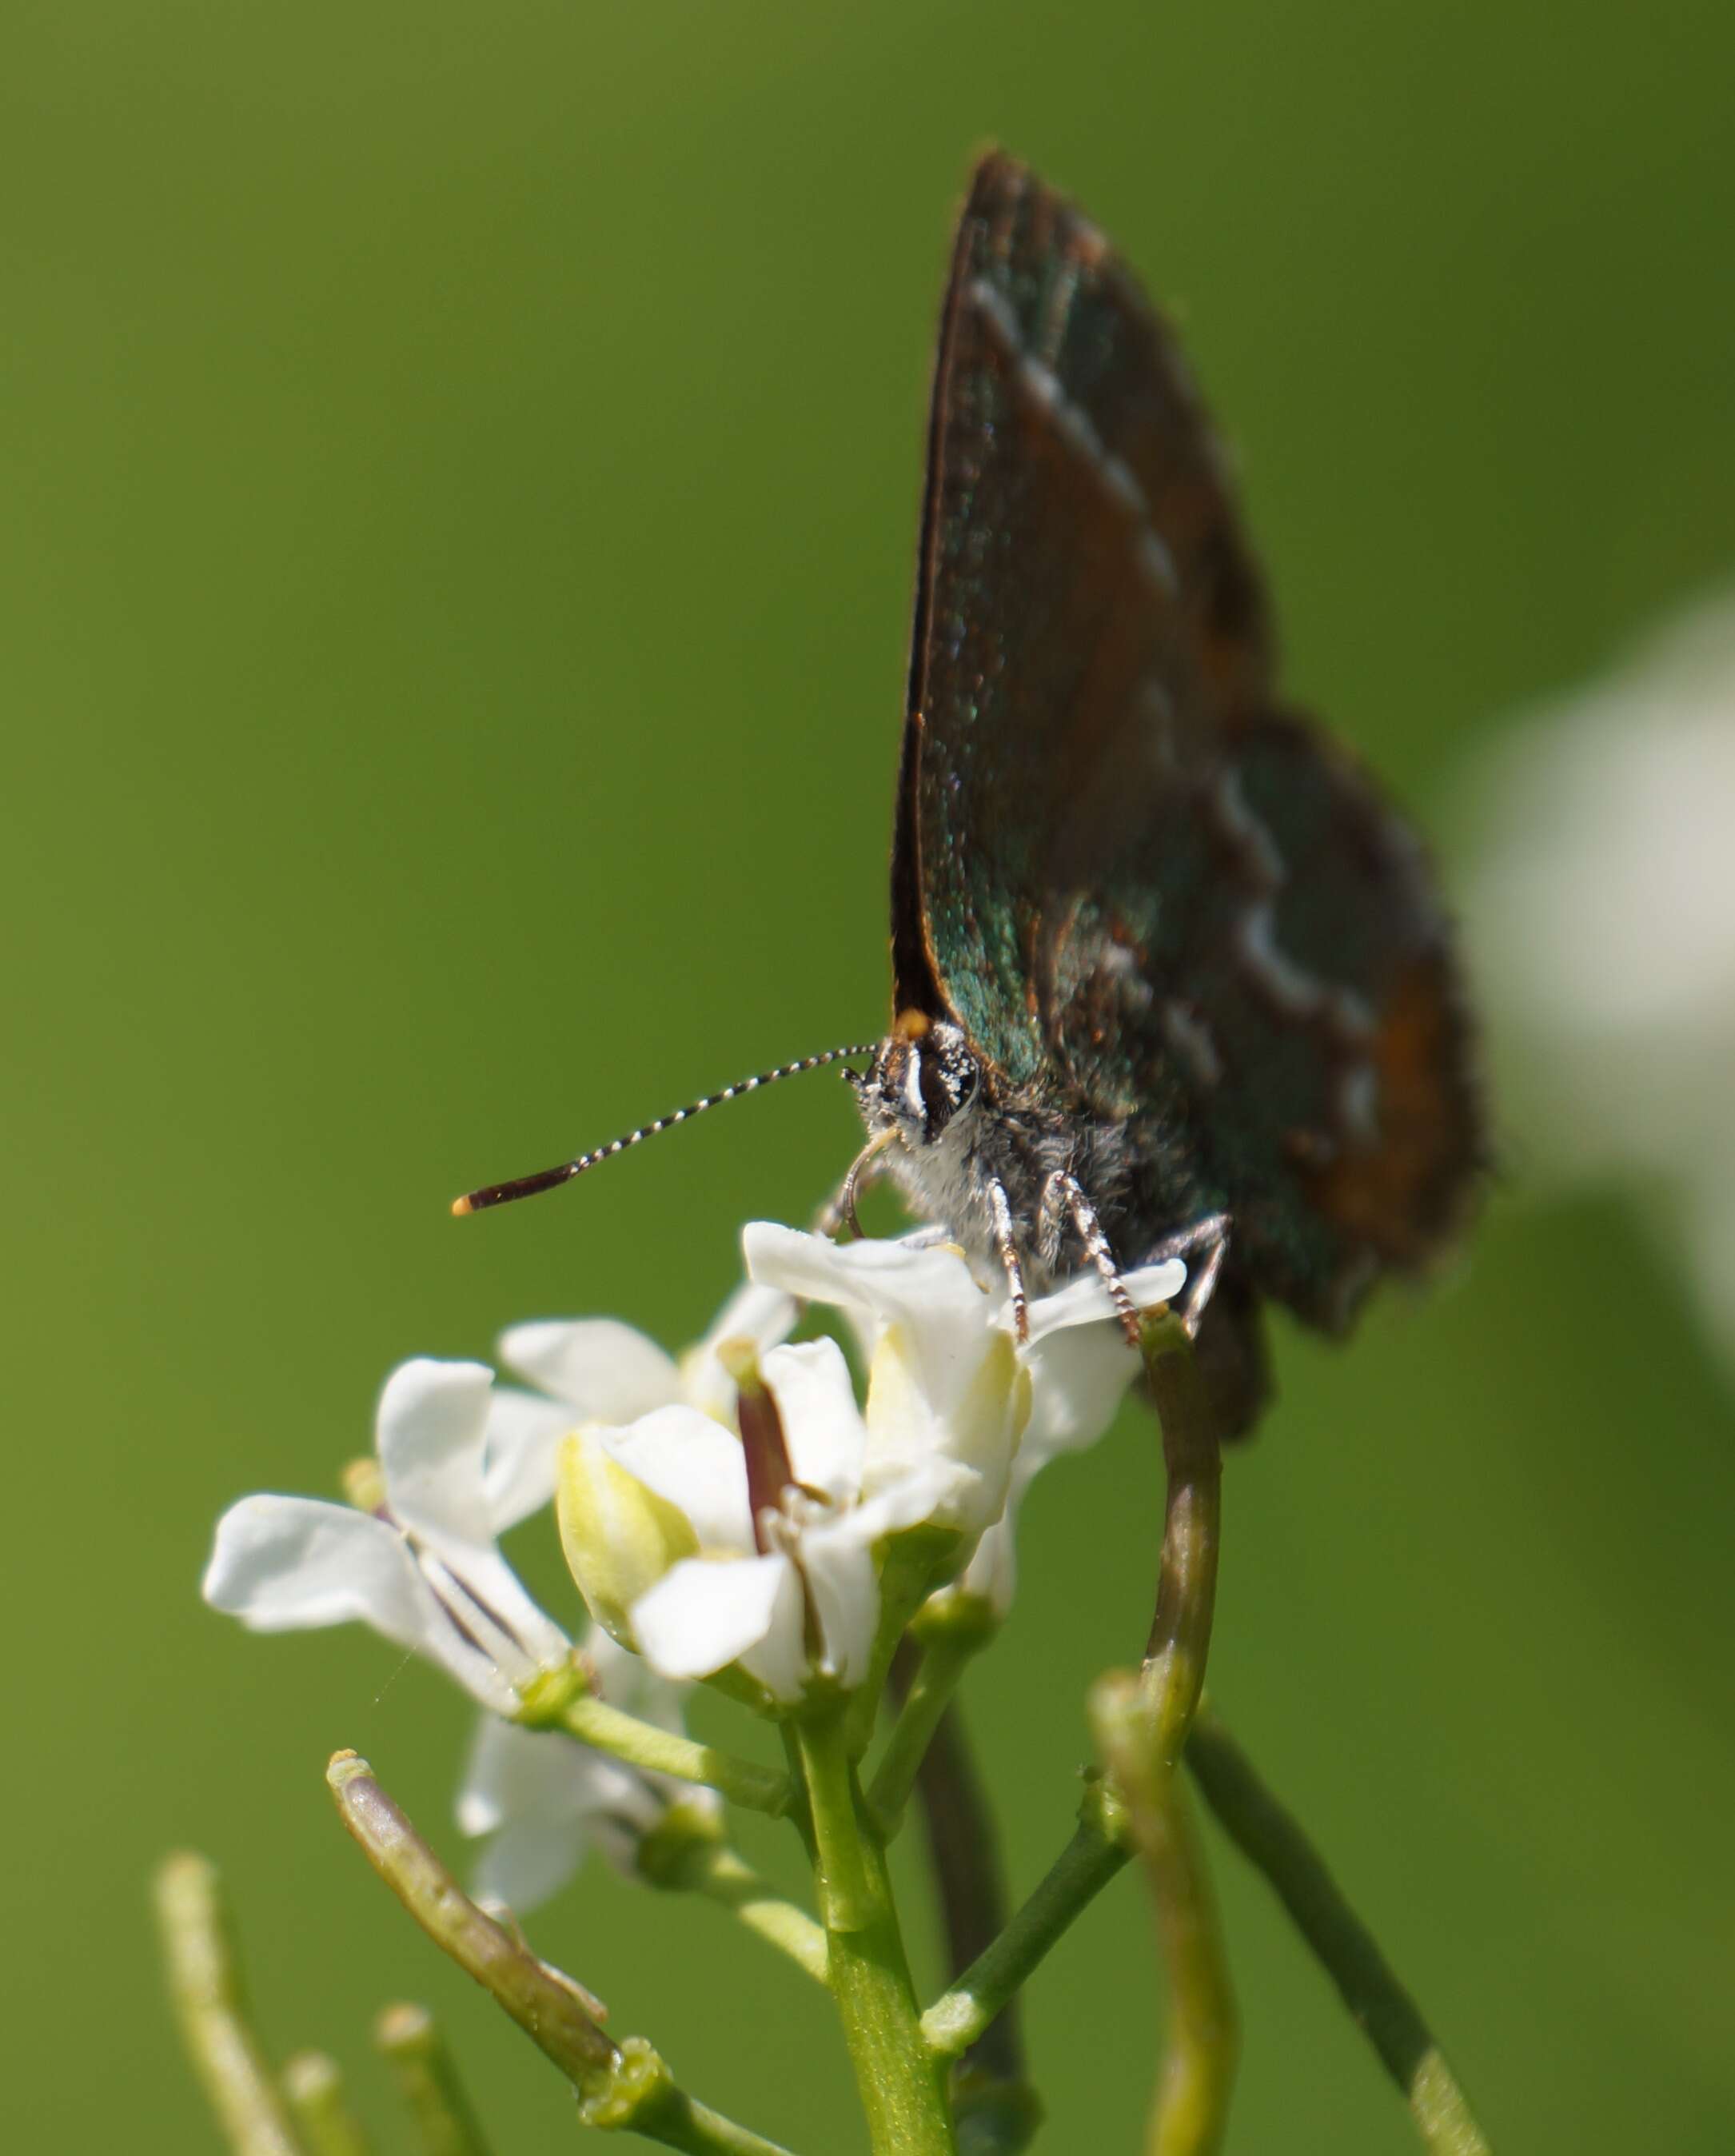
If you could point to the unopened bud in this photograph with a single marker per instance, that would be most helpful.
(619, 1536)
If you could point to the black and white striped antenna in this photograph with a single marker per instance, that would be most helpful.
(549, 1178)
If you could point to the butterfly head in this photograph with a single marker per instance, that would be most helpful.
(923, 1084)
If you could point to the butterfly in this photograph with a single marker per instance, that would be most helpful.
(1171, 978)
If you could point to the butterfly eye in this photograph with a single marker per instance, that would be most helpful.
(936, 1100)
(948, 1079)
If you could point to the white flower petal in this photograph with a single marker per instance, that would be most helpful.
(978, 1430)
(523, 1443)
(838, 1565)
(822, 1425)
(528, 1860)
(706, 1613)
(762, 1316)
(780, 1660)
(604, 1371)
(283, 1563)
(536, 1793)
(1078, 1378)
(993, 1570)
(937, 1492)
(512, 1771)
(696, 1465)
(432, 1432)
(927, 1292)
(433, 1429)
(1086, 1300)
(1080, 1363)
(293, 1563)
(766, 1316)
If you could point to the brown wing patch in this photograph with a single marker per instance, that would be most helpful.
(1404, 1196)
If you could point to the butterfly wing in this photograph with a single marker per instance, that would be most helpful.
(1132, 879)
(1081, 564)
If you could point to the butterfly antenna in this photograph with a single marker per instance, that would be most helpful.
(530, 1186)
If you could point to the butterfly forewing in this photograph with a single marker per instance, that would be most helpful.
(1139, 886)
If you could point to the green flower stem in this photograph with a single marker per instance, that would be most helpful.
(313, 2089)
(704, 1864)
(661, 1752)
(205, 1987)
(444, 2122)
(1141, 1725)
(900, 2082)
(1189, 2107)
(1270, 1838)
(643, 2098)
(545, 2007)
(620, 2086)
(1189, 2113)
(996, 2107)
(1174, 1674)
(848, 1899)
(936, 1678)
(1094, 1854)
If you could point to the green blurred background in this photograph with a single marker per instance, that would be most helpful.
(461, 468)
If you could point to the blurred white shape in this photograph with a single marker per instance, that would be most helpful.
(1603, 921)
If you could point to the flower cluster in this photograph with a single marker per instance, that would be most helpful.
(735, 1515)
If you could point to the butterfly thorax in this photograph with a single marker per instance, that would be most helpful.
(953, 1132)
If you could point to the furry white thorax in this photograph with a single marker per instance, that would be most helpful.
(951, 1140)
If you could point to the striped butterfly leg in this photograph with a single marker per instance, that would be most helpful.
(1065, 1201)
(1221, 1311)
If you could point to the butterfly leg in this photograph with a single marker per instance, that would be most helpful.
(1006, 1243)
(1209, 1235)
(1063, 1197)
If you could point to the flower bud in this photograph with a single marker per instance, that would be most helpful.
(619, 1536)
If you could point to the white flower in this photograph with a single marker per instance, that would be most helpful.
(1604, 914)
(424, 1569)
(671, 1550)
(1079, 1368)
(544, 1800)
(599, 1370)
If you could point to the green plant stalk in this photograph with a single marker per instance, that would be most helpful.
(997, 2109)
(900, 2080)
(1094, 1854)
(549, 2011)
(1190, 2105)
(642, 2098)
(1190, 2111)
(1141, 1726)
(206, 1991)
(994, 2103)
(1272, 1839)
(624, 2086)
(937, 1679)
(720, 1874)
(594, 1722)
(313, 2089)
(444, 2120)
(1173, 1679)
